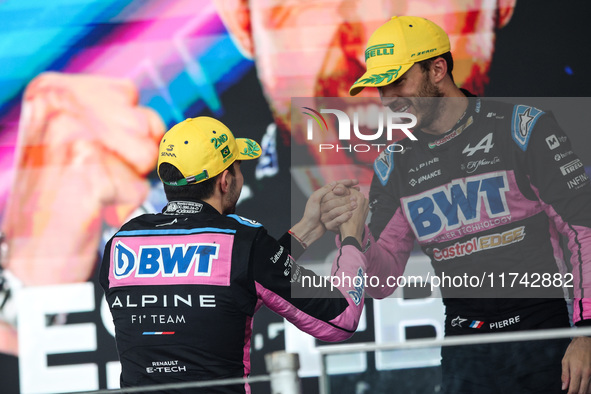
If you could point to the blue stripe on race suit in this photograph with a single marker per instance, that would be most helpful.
(177, 231)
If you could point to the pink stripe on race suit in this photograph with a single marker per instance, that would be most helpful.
(308, 324)
(171, 260)
(339, 328)
(579, 243)
(246, 351)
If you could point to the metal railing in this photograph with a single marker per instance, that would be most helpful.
(281, 366)
(519, 336)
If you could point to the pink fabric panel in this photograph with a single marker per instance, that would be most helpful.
(199, 259)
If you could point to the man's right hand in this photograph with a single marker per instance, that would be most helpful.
(354, 226)
(337, 202)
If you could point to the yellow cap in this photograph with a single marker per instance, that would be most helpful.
(395, 46)
(201, 148)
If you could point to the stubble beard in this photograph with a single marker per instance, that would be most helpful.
(430, 106)
(231, 199)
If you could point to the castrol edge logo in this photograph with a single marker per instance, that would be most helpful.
(478, 244)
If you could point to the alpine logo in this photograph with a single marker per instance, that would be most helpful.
(485, 144)
(424, 164)
(457, 204)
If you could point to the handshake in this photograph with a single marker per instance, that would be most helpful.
(338, 207)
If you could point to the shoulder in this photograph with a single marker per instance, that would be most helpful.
(140, 222)
(519, 120)
(245, 221)
(523, 120)
(384, 164)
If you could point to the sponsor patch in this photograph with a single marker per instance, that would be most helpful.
(452, 135)
(522, 124)
(182, 207)
(277, 255)
(478, 244)
(171, 260)
(578, 181)
(560, 156)
(357, 293)
(424, 164)
(571, 166)
(472, 166)
(552, 142)
(425, 177)
(383, 166)
(457, 204)
(457, 322)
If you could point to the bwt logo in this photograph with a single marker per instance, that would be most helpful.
(164, 260)
(459, 203)
(387, 120)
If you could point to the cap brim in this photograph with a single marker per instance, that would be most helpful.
(379, 76)
(248, 149)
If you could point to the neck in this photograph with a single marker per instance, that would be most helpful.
(452, 107)
(216, 202)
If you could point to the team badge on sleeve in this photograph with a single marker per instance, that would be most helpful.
(384, 165)
(522, 123)
(357, 293)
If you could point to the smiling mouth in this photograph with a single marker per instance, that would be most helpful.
(400, 108)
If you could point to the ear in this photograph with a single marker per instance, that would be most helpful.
(236, 16)
(225, 181)
(505, 10)
(438, 70)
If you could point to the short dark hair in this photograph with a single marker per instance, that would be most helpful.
(200, 191)
(426, 64)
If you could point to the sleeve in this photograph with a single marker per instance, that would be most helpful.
(327, 308)
(105, 266)
(388, 240)
(558, 178)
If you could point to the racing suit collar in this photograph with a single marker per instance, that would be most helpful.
(188, 206)
(436, 142)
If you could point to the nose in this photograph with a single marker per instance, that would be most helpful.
(388, 94)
